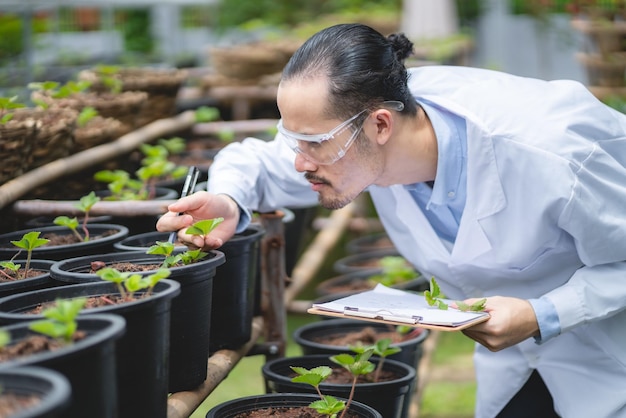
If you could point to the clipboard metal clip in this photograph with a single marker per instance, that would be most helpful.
(381, 314)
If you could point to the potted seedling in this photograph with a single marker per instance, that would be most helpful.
(63, 241)
(144, 302)
(19, 275)
(81, 348)
(387, 396)
(281, 404)
(329, 405)
(84, 205)
(34, 392)
(190, 311)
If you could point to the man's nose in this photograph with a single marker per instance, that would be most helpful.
(302, 164)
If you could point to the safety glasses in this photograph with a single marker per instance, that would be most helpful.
(328, 148)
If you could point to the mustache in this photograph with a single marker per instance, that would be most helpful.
(315, 179)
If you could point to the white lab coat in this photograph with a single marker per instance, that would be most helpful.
(545, 215)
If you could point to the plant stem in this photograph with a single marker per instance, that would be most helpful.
(8, 276)
(349, 397)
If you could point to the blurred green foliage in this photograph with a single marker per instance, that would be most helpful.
(11, 34)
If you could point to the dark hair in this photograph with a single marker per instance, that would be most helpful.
(363, 67)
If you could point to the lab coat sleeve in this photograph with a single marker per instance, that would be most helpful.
(594, 216)
(260, 176)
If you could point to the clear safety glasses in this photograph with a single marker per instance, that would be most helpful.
(328, 148)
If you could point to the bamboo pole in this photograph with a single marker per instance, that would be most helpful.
(239, 126)
(126, 208)
(182, 404)
(17, 187)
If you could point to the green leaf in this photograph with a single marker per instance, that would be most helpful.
(30, 241)
(87, 114)
(161, 248)
(66, 221)
(86, 202)
(111, 275)
(5, 338)
(9, 265)
(206, 114)
(204, 227)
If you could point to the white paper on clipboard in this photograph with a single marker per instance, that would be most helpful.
(388, 304)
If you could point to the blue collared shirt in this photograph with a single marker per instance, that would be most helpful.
(444, 202)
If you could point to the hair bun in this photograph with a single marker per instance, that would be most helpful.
(402, 46)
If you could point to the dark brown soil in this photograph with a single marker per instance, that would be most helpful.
(13, 276)
(366, 336)
(92, 302)
(32, 345)
(66, 239)
(12, 403)
(341, 376)
(284, 412)
(123, 267)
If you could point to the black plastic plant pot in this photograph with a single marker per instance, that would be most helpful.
(234, 289)
(141, 354)
(104, 236)
(370, 242)
(234, 407)
(51, 389)
(190, 311)
(358, 281)
(389, 398)
(40, 221)
(88, 364)
(307, 337)
(369, 260)
(41, 281)
(141, 242)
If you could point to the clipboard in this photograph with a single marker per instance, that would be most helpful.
(398, 307)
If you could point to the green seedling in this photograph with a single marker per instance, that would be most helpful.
(166, 249)
(357, 365)
(5, 338)
(204, 227)
(395, 269)
(128, 284)
(108, 76)
(200, 228)
(382, 348)
(58, 91)
(29, 242)
(434, 297)
(11, 266)
(7, 104)
(174, 145)
(226, 135)
(85, 204)
(326, 405)
(205, 114)
(121, 185)
(61, 319)
(155, 166)
(85, 115)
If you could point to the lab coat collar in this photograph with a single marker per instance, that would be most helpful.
(485, 194)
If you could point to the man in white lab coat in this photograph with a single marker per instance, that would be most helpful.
(503, 187)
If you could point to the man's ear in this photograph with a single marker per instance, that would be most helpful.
(384, 125)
